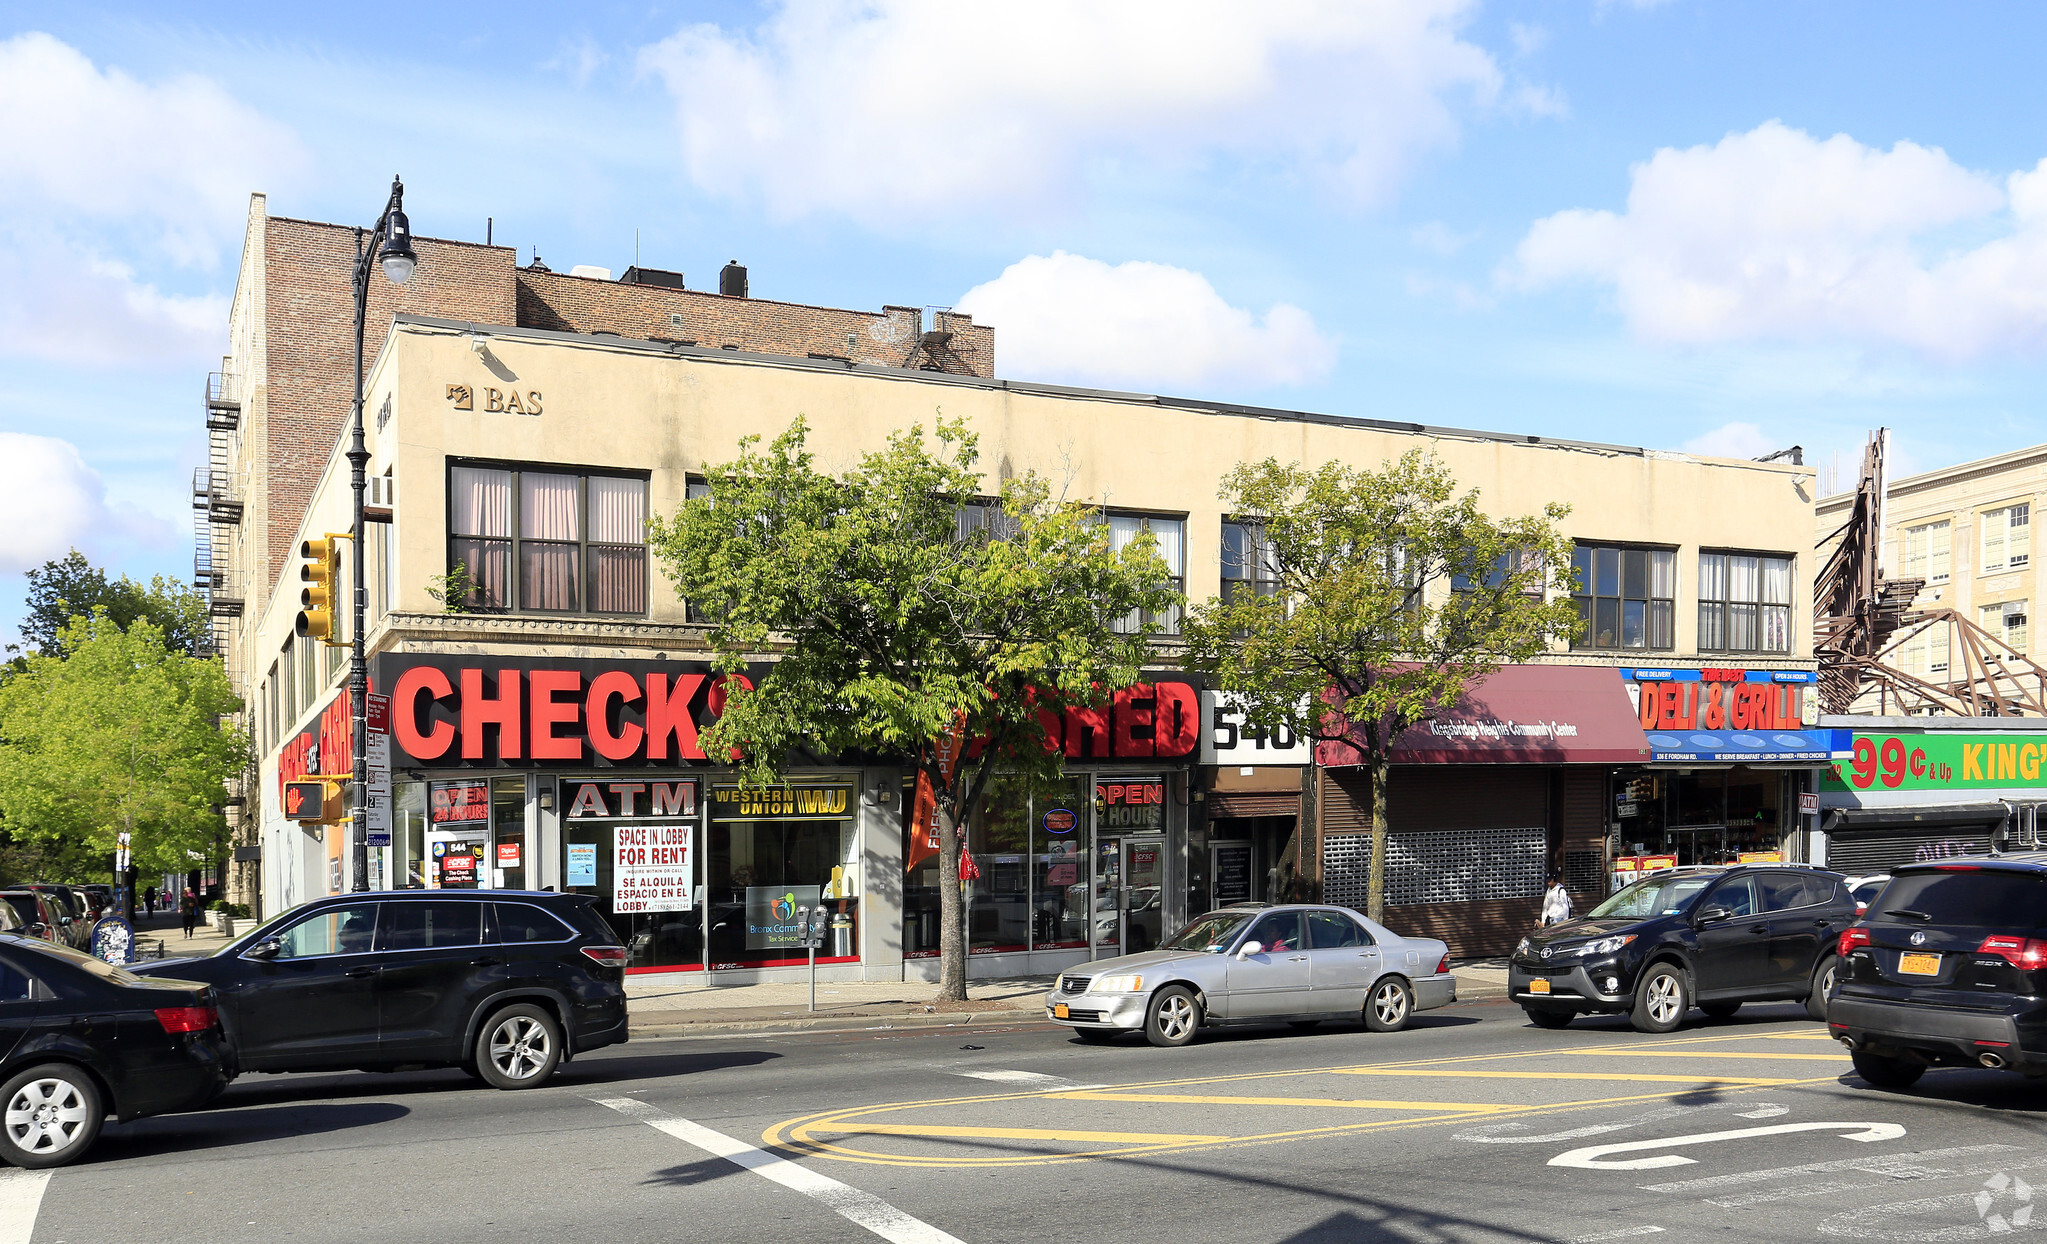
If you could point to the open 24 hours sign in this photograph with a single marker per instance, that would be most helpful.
(1880, 762)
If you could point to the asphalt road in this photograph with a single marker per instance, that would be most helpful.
(1472, 1125)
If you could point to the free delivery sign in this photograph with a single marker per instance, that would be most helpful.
(1938, 762)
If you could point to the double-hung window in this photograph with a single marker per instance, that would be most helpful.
(1248, 567)
(1169, 533)
(1626, 597)
(1925, 552)
(2007, 538)
(1744, 603)
(2007, 621)
(549, 541)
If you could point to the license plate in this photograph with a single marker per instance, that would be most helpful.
(1919, 965)
(1538, 986)
(1060, 1011)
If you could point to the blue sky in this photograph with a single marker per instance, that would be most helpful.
(1719, 226)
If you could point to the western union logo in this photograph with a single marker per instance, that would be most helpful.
(780, 803)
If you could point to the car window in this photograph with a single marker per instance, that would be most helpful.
(1975, 899)
(1331, 930)
(24, 908)
(15, 985)
(429, 926)
(1867, 891)
(1210, 934)
(523, 922)
(1279, 930)
(1784, 891)
(333, 931)
(1736, 894)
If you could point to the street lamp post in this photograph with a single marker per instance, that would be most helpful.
(388, 245)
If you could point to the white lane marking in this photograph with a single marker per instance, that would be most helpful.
(1597, 1157)
(1895, 1165)
(1029, 1079)
(1765, 1196)
(21, 1199)
(862, 1209)
(1622, 1234)
(1492, 1133)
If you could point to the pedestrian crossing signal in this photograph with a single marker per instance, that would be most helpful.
(312, 802)
(321, 574)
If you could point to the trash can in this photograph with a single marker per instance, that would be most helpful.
(841, 943)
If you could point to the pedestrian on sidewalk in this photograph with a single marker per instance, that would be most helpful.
(149, 900)
(1556, 902)
(188, 907)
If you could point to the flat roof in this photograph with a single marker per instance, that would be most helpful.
(1280, 414)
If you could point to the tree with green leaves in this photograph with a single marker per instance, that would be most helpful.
(73, 587)
(1390, 594)
(909, 612)
(117, 731)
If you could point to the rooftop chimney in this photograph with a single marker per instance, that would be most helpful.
(732, 280)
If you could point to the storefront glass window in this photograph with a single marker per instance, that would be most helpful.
(772, 850)
(998, 907)
(408, 836)
(1059, 830)
(634, 845)
(508, 820)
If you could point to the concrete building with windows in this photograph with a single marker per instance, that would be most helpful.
(546, 735)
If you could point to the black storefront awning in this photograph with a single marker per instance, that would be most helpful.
(1914, 816)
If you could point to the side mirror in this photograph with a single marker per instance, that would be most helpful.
(265, 950)
(1249, 948)
(1714, 914)
(38, 929)
(63, 920)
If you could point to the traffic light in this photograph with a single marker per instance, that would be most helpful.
(322, 575)
(311, 802)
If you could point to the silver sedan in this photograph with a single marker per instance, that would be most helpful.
(1255, 964)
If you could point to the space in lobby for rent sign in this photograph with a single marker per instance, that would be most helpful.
(651, 868)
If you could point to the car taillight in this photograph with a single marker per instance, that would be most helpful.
(176, 1019)
(1851, 937)
(2029, 953)
(1443, 966)
(609, 956)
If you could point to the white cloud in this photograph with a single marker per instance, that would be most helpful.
(55, 503)
(1735, 440)
(112, 187)
(888, 109)
(1148, 326)
(1774, 235)
(1438, 238)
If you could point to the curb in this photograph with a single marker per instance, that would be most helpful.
(824, 1023)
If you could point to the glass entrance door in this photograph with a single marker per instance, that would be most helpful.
(1129, 895)
(1108, 898)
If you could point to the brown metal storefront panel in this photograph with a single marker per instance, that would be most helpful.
(1247, 803)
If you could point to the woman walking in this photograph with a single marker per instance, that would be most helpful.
(188, 907)
(1556, 902)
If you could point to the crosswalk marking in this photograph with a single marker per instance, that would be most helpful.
(1026, 1079)
(21, 1199)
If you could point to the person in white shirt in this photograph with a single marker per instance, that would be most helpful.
(1556, 903)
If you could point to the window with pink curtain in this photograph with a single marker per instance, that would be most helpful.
(479, 533)
(558, 542)
(618, 545)
(550, 541)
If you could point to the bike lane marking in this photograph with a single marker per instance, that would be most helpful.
(862, 1209)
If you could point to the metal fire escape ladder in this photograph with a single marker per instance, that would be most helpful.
(216, 508)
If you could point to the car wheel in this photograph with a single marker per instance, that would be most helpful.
(1888, 1073)
(1549, 1019)
(1173, 1017)
(1822, 985)
(51, 1115)
(1303, 1025)
(518, 1047)
(1720, 1010)
(1661, 1000)
(1390, 1005)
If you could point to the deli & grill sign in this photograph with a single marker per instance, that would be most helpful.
(471, 712)
(1728, 715)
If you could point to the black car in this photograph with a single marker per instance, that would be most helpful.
(1711, 937)
(505, 984)
(1948, 967)
(84, 1039)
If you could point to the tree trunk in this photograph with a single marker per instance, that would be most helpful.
(952, 910)
(1375, 886)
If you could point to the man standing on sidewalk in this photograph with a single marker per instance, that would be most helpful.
(149, 900)
(189, 909)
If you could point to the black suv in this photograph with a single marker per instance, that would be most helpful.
(1948, 967)
(1717, 937)
(504, 984)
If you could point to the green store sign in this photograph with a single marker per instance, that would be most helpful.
(1940, 762)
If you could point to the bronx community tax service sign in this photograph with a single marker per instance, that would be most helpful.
(651, 868)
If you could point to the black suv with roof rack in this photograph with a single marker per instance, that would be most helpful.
(1947, 968)
(505, 984)
(1714, 937)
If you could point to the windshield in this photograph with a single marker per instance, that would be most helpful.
(1210, 934)
(1657, 896)
(269, 928)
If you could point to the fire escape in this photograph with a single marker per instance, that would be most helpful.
(216, 510)
(1863, 620)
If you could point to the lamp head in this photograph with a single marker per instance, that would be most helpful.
(397, 256)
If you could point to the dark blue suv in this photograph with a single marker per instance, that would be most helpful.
(1710, 937)
(505, 984)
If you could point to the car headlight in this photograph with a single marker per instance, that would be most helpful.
(1118, 984)
(1605, 945)
(1521, 948)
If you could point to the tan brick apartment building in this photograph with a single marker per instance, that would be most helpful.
(536, 742)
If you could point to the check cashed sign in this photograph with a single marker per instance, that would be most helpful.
(651, 868)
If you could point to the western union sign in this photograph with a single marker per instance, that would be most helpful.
(811, 801)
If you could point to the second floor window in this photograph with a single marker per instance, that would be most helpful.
(1925, 552)
(1744, 603)
(1248, 568)
(2007, 538)
(1626, 598)
(551, 541)
(2007, 621)
(1123, 528)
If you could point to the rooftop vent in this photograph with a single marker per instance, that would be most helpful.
(732, 280)
(637, 275)
(592, 271)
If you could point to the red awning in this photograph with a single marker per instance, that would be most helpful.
(1525, 714)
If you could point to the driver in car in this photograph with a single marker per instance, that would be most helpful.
(355, 935)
